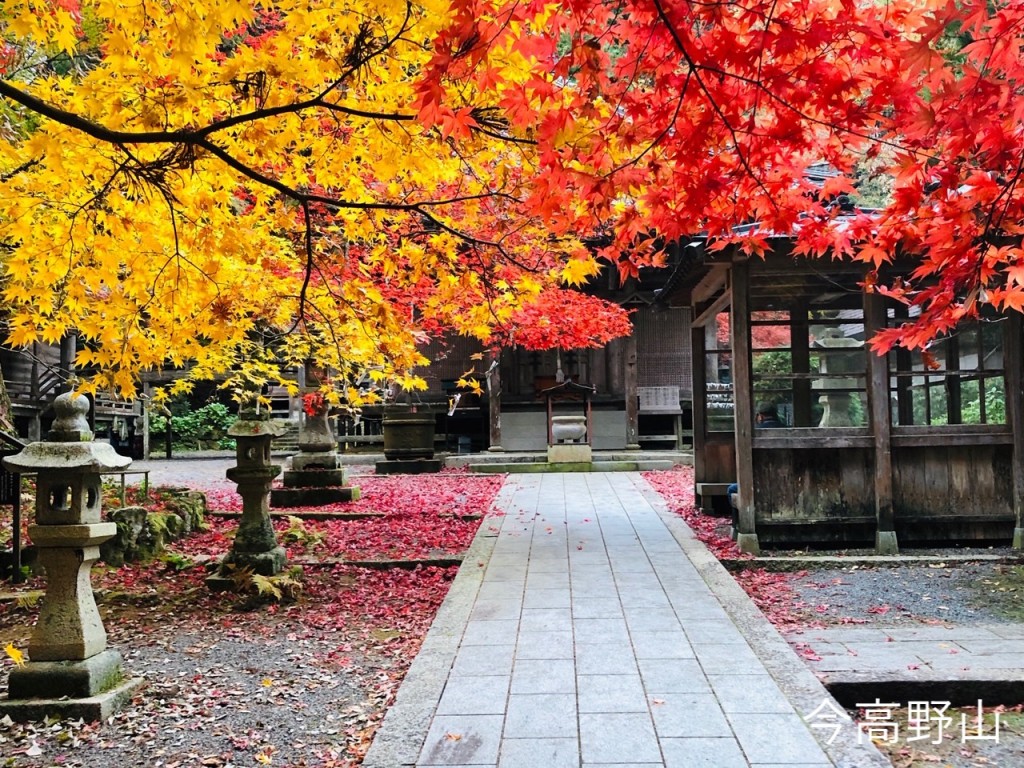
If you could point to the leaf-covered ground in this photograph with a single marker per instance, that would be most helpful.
(235, 681)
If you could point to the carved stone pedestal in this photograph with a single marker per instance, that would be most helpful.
(315, 476)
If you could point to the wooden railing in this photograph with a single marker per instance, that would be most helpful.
(38, 390)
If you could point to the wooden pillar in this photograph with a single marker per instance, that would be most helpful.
(954, 410)
(35, 426)
(295, 411)
(904, 384)
(881, 429)
(616, 367)
(494, 403)
(700, 403)
(743, 415)
(632, 395)
(1012, 350)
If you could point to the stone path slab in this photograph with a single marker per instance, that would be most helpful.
(959, 664)
(586, 628)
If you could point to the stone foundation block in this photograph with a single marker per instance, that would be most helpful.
(314, 478)
(408, 466)
(90, 708)
(316, 460)
(571, 453)
(311, 497)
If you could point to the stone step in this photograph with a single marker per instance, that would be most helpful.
(313, 478)
(312, 497)
(408, 466)
(289, 441)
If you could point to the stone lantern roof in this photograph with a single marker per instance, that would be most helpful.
(69, 445)
(253, 424)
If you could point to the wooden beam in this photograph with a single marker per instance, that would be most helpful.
(949, 440)
(743, 407)
(710, 284)
(709, 313)
(881, 428)
(699, 380)
(800, 342)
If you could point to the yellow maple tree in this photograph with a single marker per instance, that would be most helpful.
(238, 187)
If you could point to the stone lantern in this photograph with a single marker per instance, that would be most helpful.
(72, 673)
(836, 404)
(255, 546)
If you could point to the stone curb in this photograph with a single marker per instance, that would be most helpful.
(825, 562)
(797, 682)
(404, 728)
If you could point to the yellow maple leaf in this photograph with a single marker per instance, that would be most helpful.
(15, 655)
(472, 385)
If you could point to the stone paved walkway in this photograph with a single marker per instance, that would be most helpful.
(588, 627)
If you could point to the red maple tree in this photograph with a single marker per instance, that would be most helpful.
(710, 115)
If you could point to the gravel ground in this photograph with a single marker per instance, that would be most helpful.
(953, 592)
(223, 686)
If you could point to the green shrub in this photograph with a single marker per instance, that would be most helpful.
(194, 430)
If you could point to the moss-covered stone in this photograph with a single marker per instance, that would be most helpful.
(161, 528)
(190, 506)
(131, 523)
(144, 534)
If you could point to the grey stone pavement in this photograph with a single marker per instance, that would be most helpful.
(588, 627)
(954, 663)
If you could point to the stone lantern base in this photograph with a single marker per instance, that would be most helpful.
(313, 480)
(267, 563)
(92, 689)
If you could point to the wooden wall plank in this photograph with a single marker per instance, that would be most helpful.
(1012, 354)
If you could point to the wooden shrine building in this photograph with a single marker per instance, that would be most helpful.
(642, 382)
(886, 450)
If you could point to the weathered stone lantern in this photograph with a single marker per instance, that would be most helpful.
(836, 404)
(255, 546)
(72, 673)
(314, 476)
